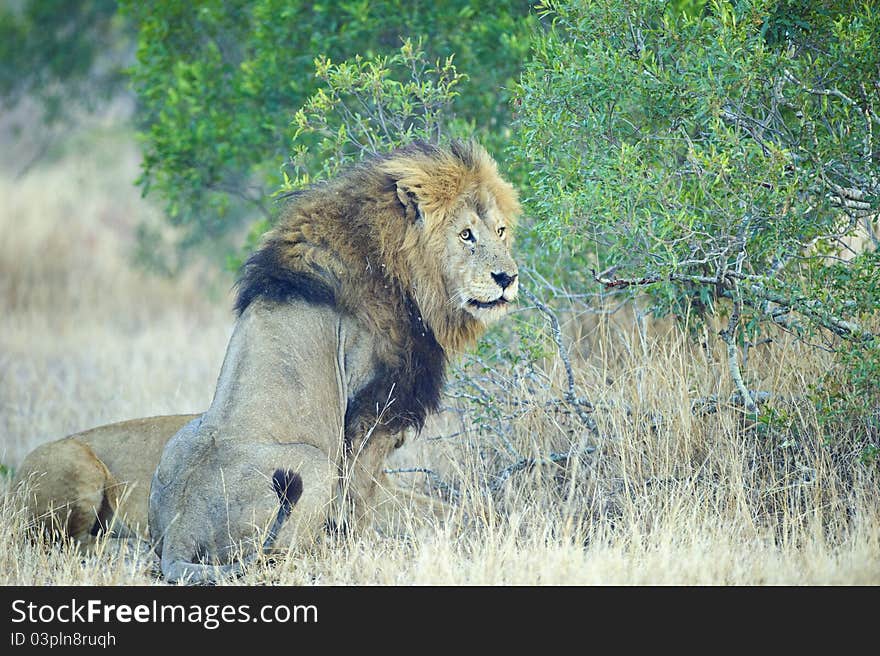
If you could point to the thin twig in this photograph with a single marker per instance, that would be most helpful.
(434, 476)
(570, 394)
(728, 336)
(501, 477)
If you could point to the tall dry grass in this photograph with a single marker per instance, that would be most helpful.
(661, 495)
(85, 338)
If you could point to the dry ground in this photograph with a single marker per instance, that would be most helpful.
(666, 496)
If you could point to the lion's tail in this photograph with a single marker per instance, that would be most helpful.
(289, 487)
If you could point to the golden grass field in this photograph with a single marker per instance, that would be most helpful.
(667, 497)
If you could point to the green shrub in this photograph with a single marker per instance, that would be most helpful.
(715, 156)
(67, 54)
(220, 83)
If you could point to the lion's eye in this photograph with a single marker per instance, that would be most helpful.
(501, 231)
(466, 235)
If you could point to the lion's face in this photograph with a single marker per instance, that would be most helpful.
(455, 252)
(480, 273)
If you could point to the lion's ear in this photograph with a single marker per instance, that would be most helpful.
(411, 208)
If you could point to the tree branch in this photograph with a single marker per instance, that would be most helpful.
(434, 476)
(728, 336)
(500, 478)
(829, 92)
(570, 394)
(725, 278)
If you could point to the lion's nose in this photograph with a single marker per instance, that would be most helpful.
(503, 279)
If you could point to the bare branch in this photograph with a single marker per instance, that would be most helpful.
(501, 477)
(232, 190)
(708, 405)
(619, 283)
(829, 92)
(728, 337)
(570, 394)
(438, 481)
(726, 277)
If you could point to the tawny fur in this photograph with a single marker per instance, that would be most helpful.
(348, 313)
(382, 252)
(352, 228)
(97, 480)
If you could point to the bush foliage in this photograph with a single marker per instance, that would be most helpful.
(719, 157)
(221, 84)
(67, 54)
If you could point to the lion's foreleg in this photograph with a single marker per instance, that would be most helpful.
(400, 511)
(376, 501)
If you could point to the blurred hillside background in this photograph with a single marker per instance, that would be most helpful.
(688, 389)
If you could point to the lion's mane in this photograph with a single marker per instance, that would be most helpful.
(352, 243)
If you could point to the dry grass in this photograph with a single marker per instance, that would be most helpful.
(666, 497)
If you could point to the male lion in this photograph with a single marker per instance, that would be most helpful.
(347, 315)
(97, 481)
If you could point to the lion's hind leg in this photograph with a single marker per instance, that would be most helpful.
(288, 487)
(69, 492)
(276, 508)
